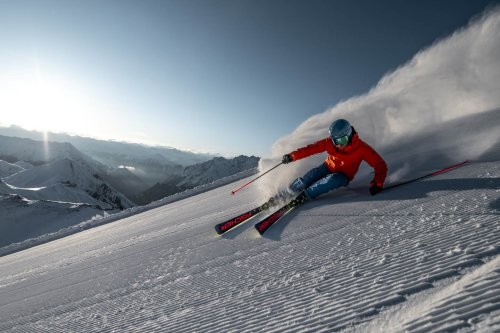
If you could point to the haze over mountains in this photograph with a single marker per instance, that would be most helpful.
(47, 185)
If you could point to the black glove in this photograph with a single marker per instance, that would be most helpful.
(287, 158)
(374, 189)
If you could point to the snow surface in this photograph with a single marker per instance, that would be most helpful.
(419, 258)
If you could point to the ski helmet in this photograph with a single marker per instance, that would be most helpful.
(341, 132)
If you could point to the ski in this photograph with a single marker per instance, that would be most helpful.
(225, 226)
(230, 224)
(269, 220)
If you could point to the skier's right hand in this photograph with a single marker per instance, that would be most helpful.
(375, 188)
(287, 158)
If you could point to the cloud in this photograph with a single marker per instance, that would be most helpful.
(457, 78)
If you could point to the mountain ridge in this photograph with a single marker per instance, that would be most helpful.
(108, 152)
(196, 175)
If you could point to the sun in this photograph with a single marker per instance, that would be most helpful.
(40, 103)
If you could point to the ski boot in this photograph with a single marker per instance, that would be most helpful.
(300, 199)
(279, 198)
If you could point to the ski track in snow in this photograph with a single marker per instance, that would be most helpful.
(419, 258)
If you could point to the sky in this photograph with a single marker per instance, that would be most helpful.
(225, 77)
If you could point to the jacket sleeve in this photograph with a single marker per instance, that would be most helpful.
(377, 163)
(315, 148)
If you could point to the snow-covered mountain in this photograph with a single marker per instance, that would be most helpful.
(51, 186)
(69, 181)
(196, 175)
(7, 169)
(216, 168)
(61, 173)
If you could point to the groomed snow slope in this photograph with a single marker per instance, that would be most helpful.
(419, 258)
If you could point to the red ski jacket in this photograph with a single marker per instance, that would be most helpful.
(346, 160)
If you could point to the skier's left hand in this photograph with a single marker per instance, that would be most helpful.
(375, 188)
(287, 158)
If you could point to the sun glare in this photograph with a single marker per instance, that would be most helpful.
(40, 103)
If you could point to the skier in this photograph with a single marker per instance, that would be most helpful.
(345, 152)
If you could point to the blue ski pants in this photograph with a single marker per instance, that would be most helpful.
(318, 181)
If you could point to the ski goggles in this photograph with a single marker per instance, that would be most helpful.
(342, 141)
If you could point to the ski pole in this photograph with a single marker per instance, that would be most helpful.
(234, 192)
(427, 175)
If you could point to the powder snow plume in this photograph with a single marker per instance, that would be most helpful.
(443, 106)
